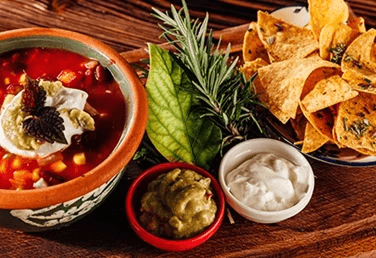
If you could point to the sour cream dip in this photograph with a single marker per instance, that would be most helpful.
(267, 182)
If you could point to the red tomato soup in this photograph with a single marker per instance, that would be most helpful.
(106, 106)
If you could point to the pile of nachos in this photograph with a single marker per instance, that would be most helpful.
(320, 78)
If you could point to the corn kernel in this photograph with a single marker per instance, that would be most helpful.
(20, 178)
(79, 158)
(35, 174)
(7, 81)
(20, 173)
(22, 79)
(16, 164)
(58, 166)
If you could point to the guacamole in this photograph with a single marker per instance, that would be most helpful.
(178, 204)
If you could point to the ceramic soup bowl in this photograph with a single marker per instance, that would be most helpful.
(59, 205)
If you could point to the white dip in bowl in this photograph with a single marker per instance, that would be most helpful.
(266, 180)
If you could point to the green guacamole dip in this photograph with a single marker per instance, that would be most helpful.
(178, 205)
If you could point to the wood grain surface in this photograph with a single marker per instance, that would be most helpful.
(340, 220)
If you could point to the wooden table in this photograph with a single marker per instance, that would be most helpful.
(340, 220)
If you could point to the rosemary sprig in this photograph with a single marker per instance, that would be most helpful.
(222, 92)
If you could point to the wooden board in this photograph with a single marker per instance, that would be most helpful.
(340, 220)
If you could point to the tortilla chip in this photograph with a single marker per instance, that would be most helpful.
(283, 40)
(326, 38)
(308, 26)
(366, 152)
(251, 67)
(324, 12)
(260, 91)
(328, 92)
(253, 48)
(334, 133)
(312, 139)
(284, 81)
(314, 54)
(334, 110)
(357, 24)
(360, 84)
(280, 115)
(359, 61)
(335, 37)
(356, 122)
(316, 76)
(299, 125)
(322, 121)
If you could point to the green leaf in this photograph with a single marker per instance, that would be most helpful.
(176, 130)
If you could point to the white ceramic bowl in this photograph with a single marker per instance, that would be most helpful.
(244, 151)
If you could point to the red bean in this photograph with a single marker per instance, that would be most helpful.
(51, 178)
(100, 73)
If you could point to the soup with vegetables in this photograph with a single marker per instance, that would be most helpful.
(61, 115)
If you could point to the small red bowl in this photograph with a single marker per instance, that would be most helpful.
(133, 203)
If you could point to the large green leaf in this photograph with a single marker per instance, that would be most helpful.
(176, 131)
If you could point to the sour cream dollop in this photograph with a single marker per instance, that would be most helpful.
(64, 99)
(267, 182)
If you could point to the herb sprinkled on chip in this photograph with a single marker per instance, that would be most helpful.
(337, 52)
(349, 58)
